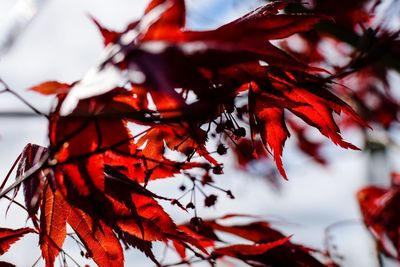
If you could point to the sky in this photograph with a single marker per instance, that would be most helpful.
(61, 44)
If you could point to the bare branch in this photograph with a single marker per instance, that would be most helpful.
(9, 90)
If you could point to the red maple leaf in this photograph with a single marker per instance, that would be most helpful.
(379, 209)
(10, 236)
(270, 247)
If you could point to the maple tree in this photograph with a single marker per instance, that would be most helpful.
(163, 88)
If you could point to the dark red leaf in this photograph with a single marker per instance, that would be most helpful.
(273, 132)
(172, 19)
(108, 35)
(379, 209)
(10, 236)
(245, 252)
(33, 187)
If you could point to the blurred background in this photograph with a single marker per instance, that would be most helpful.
(44, 40)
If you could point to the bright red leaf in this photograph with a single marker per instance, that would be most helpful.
(53, 225)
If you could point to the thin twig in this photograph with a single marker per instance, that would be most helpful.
(8, 89)
(9, 172)
(62, 250)
(16, 202)
(36, 262)
(381, 261)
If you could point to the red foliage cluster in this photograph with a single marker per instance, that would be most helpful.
(182, 87)
(374, 52)
(269, 247)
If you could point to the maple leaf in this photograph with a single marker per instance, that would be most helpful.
(379, 209)
(318, 114)
(51, 88)
(265, 23)
(203, 241)
(10, 236)
(172, 19)
(249, 253)
(286, 254)
(53, 223)
(274, 133)
(182, 138)
(98, 238)
(108, 36)
(315, 106)
(33, 187)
